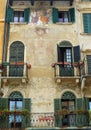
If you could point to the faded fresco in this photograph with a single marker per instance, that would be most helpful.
(41, 16)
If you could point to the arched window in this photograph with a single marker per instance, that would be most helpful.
(15, 104)
(66, 58)
(16, 56)
(68, 103)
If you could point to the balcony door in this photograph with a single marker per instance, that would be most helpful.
(68, 103)
(65, 57)
(16, 59)
(15, 104)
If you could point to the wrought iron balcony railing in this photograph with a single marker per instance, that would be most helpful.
(67, 69)
(15, 69)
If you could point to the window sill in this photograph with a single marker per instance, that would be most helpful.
(88, 34)
(18, 23)
(62, 23)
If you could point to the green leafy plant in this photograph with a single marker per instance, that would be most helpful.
(8, 112)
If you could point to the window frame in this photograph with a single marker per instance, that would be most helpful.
(18, 16)
(65, 56)
(16, 55)
(10, 15)
(63, 16)
(85, 12)
(15, 123)
(71, 15)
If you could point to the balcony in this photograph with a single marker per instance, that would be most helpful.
(15, 72)
(67, 73)
(42, 120)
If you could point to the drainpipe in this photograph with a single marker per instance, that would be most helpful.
(83, 79)
(3, 49)
(5, 35)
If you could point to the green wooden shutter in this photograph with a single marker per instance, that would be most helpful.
(72, 14)
(55, 15)
(26, 106)
(9, 15)
(27, 15)
(4, 123)
(57, 106)
(76, 53)
(85, 116)
(85, 103)
(81, 119)
(87, 23)
(89, 64)
(79, 107)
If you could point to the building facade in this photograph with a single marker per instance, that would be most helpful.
(47, 64)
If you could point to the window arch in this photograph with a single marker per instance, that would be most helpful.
(15, 95)
(65, 44)
(68, 96)
(16, 56)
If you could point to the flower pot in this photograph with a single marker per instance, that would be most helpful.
(29, 66)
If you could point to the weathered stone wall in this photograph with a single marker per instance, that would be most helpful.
(41, 52)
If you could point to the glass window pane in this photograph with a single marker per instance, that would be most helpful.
(18, 118)
(19, 16)
(65, 17)
(15, 16)
(11, 118)
(89, 105)
(21, 19)
(19, 105)
(12, 105)
(15, 19)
